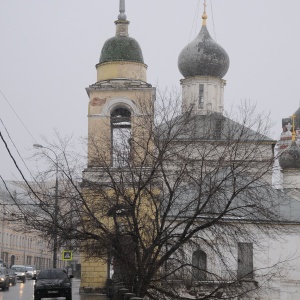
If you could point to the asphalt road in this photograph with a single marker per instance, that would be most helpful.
(24, 291)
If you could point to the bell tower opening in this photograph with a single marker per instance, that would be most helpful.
(121, 136)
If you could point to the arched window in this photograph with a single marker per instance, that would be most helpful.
(199, 263)
(121, 136)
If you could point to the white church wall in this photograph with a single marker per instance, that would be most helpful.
(276, 260)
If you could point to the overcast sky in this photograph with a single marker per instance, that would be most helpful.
(49, 49)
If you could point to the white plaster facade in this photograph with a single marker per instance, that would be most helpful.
(212, 99)
(276, 263)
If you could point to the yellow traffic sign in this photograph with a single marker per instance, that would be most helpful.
(67, 255)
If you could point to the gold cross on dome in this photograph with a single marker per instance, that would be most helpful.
(204, 16)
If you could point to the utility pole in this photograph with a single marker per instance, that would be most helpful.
(55, 219)
(55, 244)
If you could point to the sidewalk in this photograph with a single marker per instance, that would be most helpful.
(76, 296)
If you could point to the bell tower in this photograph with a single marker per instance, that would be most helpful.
(119, 100)
(120, 105)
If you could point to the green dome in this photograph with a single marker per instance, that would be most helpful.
(121, 48)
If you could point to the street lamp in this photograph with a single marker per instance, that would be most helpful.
(55, 242)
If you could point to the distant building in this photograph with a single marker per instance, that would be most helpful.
(17, 246)
(19, 243)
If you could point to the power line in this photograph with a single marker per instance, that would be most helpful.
(17, 115)
(15, 147)
(9, 134)
(17, 166)
(196, 17)
(213, 20)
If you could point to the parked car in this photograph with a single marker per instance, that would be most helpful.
(4, 279)
(29, 272)
(52, 283)
(20, 271)
(34, 269)
(12, 277)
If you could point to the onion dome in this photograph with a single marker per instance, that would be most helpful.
(203, 56)
(290, 158)
(121, 47)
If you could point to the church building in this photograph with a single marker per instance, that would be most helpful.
(120, 111)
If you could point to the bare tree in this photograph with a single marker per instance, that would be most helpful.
(46, 203)
(177, 191)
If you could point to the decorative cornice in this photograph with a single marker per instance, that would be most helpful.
(202, 78)
(119, 84)
(122, 62)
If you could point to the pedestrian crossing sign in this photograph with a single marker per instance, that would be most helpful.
(67, 255)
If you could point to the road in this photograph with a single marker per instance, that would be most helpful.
(24, 291)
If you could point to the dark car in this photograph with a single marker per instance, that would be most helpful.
(12, 277)
(52, 283)
(4, 279)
